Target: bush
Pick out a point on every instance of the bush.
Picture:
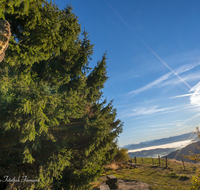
(195, 180)
(173, 175)
(122, 155)
(196, 157)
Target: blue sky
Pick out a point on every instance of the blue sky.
(153, 51)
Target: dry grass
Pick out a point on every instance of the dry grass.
(96, 184)
(112, 166)
(179, 162)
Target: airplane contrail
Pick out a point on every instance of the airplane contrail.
(150, 48)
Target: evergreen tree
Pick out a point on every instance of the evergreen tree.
(52, 126)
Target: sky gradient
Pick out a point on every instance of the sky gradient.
(153, 65)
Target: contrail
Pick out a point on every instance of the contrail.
(166, 64)
(150, 48)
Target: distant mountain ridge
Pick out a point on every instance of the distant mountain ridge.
(178, 153)
(186, 136)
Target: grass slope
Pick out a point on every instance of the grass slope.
(158, 177)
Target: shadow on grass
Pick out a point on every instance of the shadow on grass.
(183, 178)
(153, 172)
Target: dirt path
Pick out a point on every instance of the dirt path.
(132, 185)
(129, 185)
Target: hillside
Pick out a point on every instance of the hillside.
(191, 147)
(156, 176)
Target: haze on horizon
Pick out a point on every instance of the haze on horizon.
(178, 145)
(153, 51)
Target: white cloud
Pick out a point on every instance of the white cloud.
(195, 97)
(165, 77)
(143, 112)
(154, 83)
(148, 111)
(166, 124)
(176, 81)
(180, 124)
(186, 67)
(194, 101)
(180, 96)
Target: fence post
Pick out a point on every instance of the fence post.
(166, 161)
(142, 160)
(159, 159)
(152, 161)
(183, 163)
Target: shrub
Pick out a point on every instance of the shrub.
(196, 157)
(195, 180)
(173, 175)
(122, 155)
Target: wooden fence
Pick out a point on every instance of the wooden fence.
(154, 159)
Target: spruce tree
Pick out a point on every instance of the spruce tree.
(52, 126)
